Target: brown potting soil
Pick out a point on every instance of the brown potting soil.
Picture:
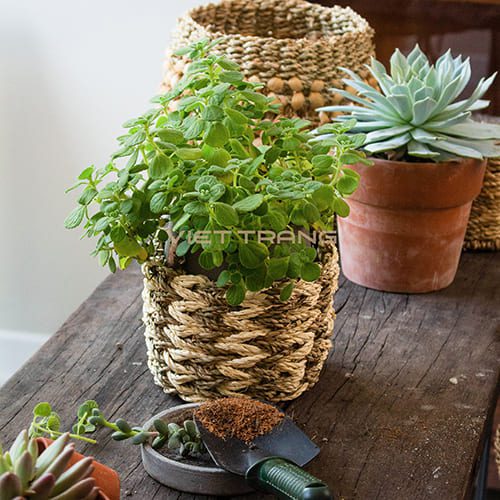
(242, 418)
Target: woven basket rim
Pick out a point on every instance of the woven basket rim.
(360, 23)
(159, 260)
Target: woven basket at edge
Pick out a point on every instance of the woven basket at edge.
(294, 47)
(483, 230)
(201, 348)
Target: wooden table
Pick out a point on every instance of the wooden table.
(401, 410)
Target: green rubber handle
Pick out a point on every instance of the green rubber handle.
(286, 480)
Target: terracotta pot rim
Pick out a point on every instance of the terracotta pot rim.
(428, 164)
(405, 185)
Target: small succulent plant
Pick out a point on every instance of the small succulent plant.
(185, 438)
(416, 113)
(26, 474)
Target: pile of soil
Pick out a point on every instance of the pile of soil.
(241, 418)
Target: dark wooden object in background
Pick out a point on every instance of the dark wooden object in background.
(471, 28)
(400, 411)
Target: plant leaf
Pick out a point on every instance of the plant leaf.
(225, 214)
(250, 203)
(75, 218)
(252, 254)
(235, 294)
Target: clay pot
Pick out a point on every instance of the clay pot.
(106, 478)
(407, 224)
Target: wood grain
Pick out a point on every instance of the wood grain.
(389, 421)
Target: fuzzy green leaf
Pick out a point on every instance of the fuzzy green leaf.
(213, 113)
(223, 278)
(278, 220)
(158, 202)
(75, 218)
(225, 214)
(42, 410)
(217, 135)
(341, 207)
(286, 292)
(160, 166)
(128, 247)
(347, 184)
(189, 153)
(235, 294)
(277, 267)
(310, 271)
(324, 197)
(250, 203)
(231, 76)
(171, 135)
(252, 254)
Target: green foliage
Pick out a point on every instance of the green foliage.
(416, 114)
(26, 474)
(47, 422)
(212, 156)
(185, 439)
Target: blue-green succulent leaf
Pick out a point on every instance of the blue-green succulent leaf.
(421, 150)
(416, 112)
(390, 144)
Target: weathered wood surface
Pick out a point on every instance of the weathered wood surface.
(389, 421)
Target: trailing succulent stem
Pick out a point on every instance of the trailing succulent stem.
(184, 438)
(213, 158)
(416, 113)
(26, 474)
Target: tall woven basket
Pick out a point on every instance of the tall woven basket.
(292, 46)
(201, 348)
(483, 230)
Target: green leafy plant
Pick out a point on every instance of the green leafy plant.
(183, 438)
(416, 113)
(212, 157)
(26, 474)
(47, 422)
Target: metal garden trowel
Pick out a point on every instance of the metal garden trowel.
(271, 463)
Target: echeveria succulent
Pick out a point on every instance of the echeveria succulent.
(416, 112)
(25, 474)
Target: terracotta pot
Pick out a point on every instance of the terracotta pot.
(106, 478)
(407, 224)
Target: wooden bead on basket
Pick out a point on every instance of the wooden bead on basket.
(293, 47)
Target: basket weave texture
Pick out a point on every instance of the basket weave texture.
(483, 230)
(201, 348)
(292, 46)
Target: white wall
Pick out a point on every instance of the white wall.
(70, 74)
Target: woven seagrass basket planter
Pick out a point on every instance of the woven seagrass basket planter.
(293, 47)
(483, 230)
(201, 348)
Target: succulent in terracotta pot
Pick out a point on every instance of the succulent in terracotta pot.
(43, 463)
(26, 473)
(408, 218)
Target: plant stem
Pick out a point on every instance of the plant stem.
(57, 433)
